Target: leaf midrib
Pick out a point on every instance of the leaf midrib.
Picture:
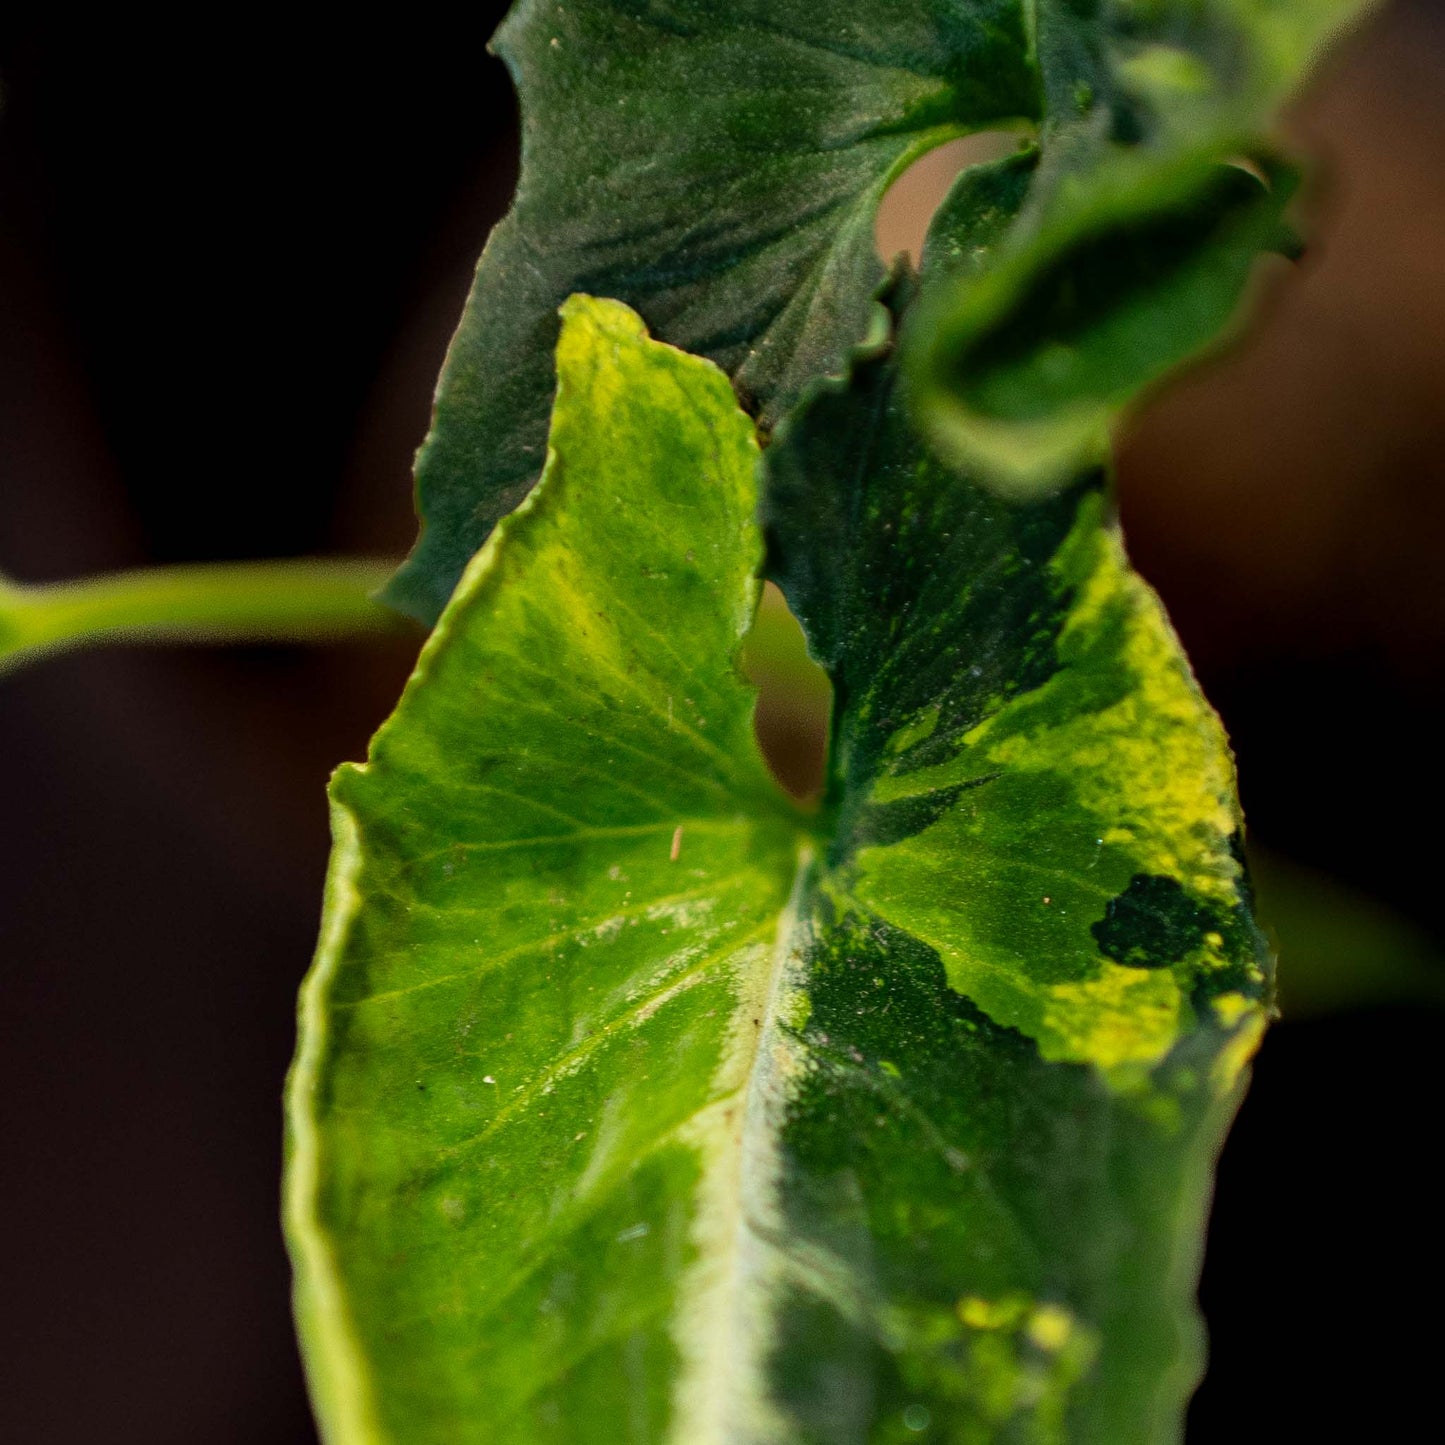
(723, 1359)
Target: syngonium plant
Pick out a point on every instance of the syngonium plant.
(634, 1101)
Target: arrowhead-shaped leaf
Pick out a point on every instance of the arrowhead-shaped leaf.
(632, 1104)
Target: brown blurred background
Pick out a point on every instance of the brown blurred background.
(230, 259)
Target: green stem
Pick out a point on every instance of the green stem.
(290, 601)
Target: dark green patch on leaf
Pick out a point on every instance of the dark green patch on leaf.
(1153, 923)
(1015, 1292)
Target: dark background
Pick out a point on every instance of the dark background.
(230, 259)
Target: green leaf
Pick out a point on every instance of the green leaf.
(632, 1104)
(1013, 708)
(718, 168)
(1156, 189)
(528, 1040)
(1035, 862)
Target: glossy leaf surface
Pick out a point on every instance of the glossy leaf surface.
(632, 1104)
(719, 168)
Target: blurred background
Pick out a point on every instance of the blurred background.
(230, 261)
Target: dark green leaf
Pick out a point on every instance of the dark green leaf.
(1155, 191)
(633, 1105)
(719, 168)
